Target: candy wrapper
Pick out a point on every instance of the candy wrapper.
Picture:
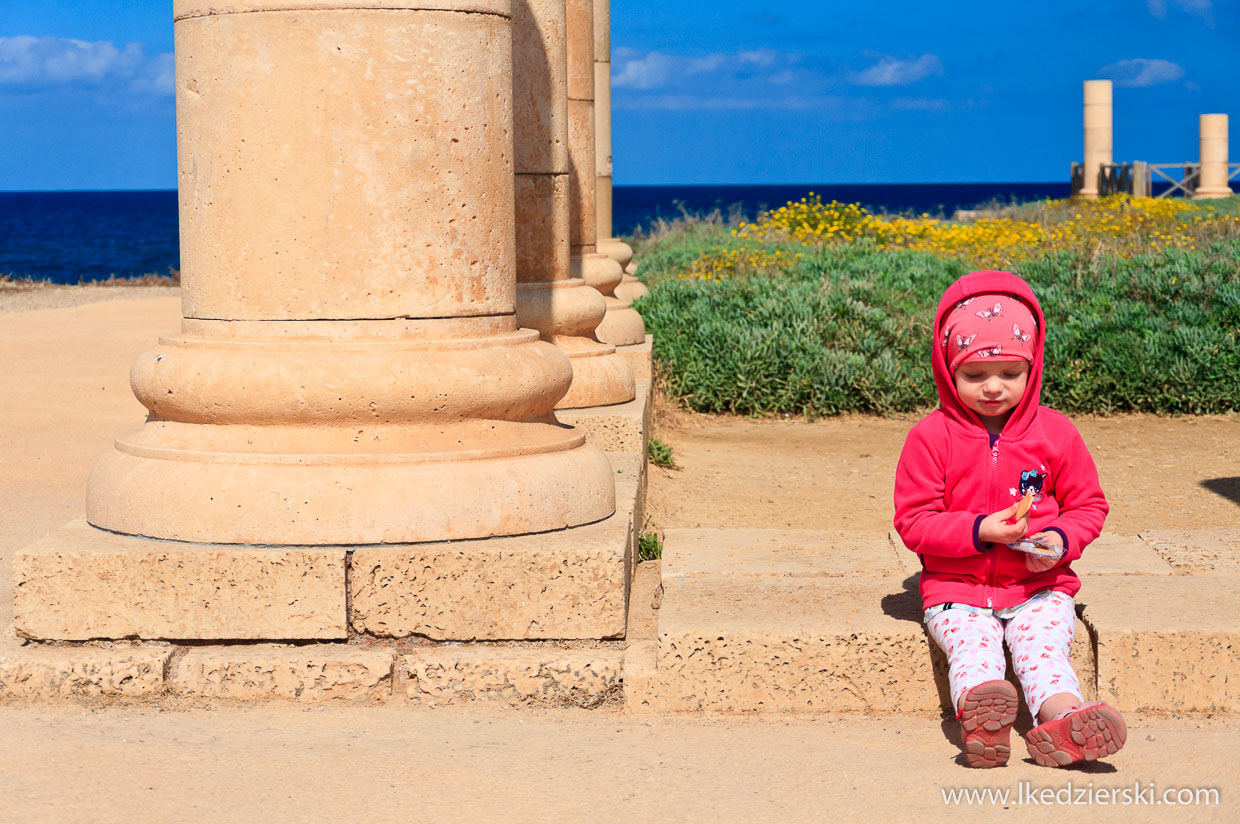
(1036, 546)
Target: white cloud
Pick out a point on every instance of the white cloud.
(705, 65)
(1141, 71)
(1202, 8)
(837, 108)
(920, 104)
(759, 57)
(647, 72)
(643, 71)
(892, 71)
(39, 63)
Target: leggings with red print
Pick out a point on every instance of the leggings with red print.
(1038, 632)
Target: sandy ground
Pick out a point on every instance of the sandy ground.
(838, 474)
(65, 385)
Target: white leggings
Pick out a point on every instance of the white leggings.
(1039, 634)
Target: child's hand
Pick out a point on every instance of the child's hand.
(1039, 563)
(996, 528)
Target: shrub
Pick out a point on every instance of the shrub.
(847, 328)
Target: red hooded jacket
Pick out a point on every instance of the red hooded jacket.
(949, 478)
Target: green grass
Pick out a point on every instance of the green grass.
(661, 454)
(650, 546)
(848, 330)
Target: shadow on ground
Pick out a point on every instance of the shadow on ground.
(1228, 488)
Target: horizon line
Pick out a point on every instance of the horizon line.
(645, 185)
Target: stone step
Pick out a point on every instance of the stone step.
(792, 621)
(765, 643)
(1167, 643)
(781, 553)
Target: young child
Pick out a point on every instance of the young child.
(961, 476)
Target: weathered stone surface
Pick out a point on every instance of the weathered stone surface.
(792, 645)
(81, 583)
(262, 672)
(1120, 555)
(253, 143)
(754, 642)
(622, 427)
(631, 477)
(778, 553)
(453, 675)
(565, 584)
(641, 358)
(1166, 643)
(1108, 555)
(35, 673)
(910, 563)
(1197, 551)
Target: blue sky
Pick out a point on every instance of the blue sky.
(713, 92)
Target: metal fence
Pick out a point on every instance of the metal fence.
(1137, 178)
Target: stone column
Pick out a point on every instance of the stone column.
(630, 288)
(1097, 134)
(563, 309)
(1212, 181)
(622, 325)
(349, 369)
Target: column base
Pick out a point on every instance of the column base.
(348, 485)
(616, 249)
(631, 289)
(622, 325)
(601, 375)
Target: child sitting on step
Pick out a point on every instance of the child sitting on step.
(962, 476)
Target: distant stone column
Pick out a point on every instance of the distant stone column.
(563, 309)
(349, 368)
(1212, 181)
(630, 288)
(1097, 134)
(622, 325)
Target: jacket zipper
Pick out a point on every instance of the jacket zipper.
(994, 505)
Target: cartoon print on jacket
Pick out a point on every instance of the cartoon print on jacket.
(1031, 479)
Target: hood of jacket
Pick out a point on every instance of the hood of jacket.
(959, 416)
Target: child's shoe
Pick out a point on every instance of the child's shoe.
(1083, 733)
(986, 723)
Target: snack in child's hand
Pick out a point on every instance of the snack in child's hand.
(1037, 546)
(1022, 508)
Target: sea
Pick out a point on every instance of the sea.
(76, 236)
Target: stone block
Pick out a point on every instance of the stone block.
(630, 474)
(910, 563)
(623, 427)
(641, 358)
(1197, 551)
(264, 672)
(640, 671)
(1120, 555)
(540, 675)
(82, 583)
(566, 584)
(779, 553)
(38, 673)
(1166, 643)
(764, 643)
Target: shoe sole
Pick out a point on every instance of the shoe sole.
(986, 720)
(1086, 735)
